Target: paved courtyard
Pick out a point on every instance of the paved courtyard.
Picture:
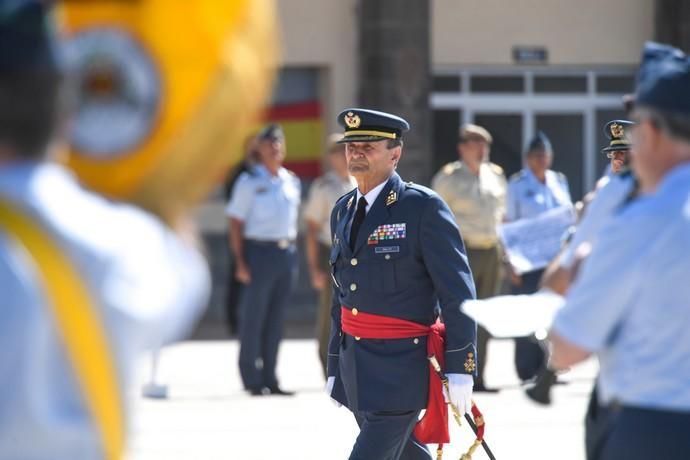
(207, 416)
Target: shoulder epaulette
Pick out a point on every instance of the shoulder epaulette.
(496, 169)
(517, 176)
(419, 188)
(451, 167)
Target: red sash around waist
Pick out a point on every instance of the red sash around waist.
(433, 427)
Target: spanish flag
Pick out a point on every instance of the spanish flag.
(303, 135)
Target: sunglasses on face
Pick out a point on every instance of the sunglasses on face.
(618, 155)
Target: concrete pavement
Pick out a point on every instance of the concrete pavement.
(207, 416)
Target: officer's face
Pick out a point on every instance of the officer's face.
(474, 151)
(271, 152)
(371, 160)
(619, 160)
(539, 160)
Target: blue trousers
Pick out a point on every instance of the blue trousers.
(643, 434)
(261, 310)
(529, 355)
(388, 436)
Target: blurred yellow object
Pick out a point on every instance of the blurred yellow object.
(167, 90)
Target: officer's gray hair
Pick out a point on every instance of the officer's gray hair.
(393, 143)
(674, 125)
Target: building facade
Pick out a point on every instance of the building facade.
(514, 67)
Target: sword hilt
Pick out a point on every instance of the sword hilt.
(478, 428)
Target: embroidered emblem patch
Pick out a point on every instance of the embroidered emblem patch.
(352, 120)
(386, 249)
(617, 131)
(387, 232)
(470, 365)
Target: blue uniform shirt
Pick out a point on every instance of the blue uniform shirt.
(606, 201)
(630, 302)
(147, 285)
(408, 258)
(268, 205)
(528, 197)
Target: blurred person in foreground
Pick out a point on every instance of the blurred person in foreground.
(638, 329)
(397, 254)
(86, 282)
(475, 190)
(532, 191)
(263, 228)
(234, 287)
(324, 192)
(612, 190)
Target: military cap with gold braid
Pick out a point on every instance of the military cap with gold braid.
(363, 125)
(617, 132)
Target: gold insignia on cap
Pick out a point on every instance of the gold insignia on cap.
(470, 365)
(352, 120)
(391, 198)
(617, 131)
(349, 202)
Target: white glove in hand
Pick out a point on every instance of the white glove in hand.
(329, 390)
(460, 386)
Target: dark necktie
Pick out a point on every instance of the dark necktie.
(357, 221)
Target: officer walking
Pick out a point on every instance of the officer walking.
(475, 190)
(263, 228)
(87, 283)
(638, 329)
(396, 254)
(531, 191)
(323, 194)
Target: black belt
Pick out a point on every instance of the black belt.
(280, 244)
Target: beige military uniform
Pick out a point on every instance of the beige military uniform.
(323, 194)
(478, 202)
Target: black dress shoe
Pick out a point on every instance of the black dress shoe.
(258, 391)
(276, 390)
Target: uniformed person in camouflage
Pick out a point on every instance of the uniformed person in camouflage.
(475, 190)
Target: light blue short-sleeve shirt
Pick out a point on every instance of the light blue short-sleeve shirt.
(527, 197)
(631, 302)
(149, 287)
(607, 199)
(267, 205)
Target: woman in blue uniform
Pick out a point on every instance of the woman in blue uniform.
(532, 191)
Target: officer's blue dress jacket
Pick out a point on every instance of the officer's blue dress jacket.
(416, 262)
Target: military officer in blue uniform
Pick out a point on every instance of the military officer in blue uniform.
(263, 222)
(533, 190)
(618, 150)
(536, 188)
(397, 253)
